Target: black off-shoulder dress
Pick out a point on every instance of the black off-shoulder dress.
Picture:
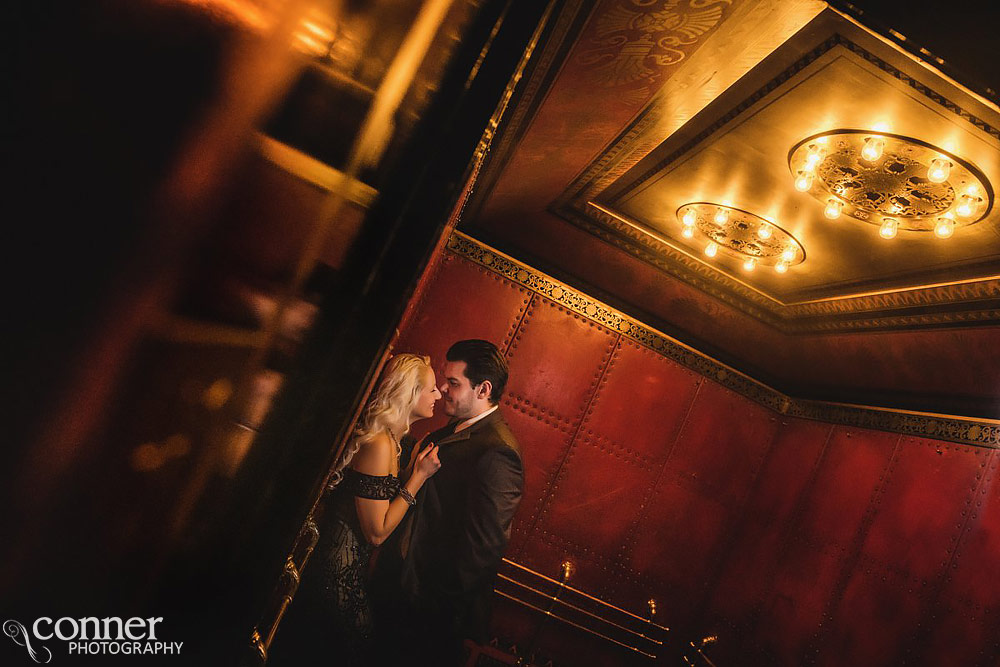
(330, 618)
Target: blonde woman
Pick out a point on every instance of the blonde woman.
(330, 619)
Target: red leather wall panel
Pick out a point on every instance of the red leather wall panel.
(966, 630)
(464, 301)
(679, 533)
(593, 502)
(951, 361)
(915, 528)
(959, 635)
(749, 564)
(852, 470)
(593, 572)
(544, 369)
(973, 574)
(796, 541)
(877, 613)
(793, 609)
(825, 533)
(642, 403)
(722, 445)
(550, 438)
(703, 485)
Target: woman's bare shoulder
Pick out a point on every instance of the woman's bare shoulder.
(374, 457)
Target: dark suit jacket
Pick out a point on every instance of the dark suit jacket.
(456, 535)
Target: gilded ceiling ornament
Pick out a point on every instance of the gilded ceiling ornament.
(896, 182)
(630, 44)
(740, 234)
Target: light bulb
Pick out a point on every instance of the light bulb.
(944, 228)
(873, 148)
(804, 181)
(690, 217)
(749, 264)
(888, 229)
(814, 155)
(964, 208)
(764, 232)
(781, 267)
(832, 209)
(722, 216)
(688, 232)
(711, 249)
(788, 255)
(938, 171)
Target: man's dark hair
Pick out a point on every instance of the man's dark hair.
(483, 361)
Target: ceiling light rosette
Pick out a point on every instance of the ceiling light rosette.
(894, 182)
(753, 240)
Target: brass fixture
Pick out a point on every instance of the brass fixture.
(895, 182)
(752, 239)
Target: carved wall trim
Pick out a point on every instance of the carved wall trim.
(889, 309)
(952, 428)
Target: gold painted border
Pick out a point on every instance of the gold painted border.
(952, 428)
(875, 309)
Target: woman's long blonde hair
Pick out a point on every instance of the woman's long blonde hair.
(389, 407)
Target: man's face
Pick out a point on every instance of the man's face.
(457, 393)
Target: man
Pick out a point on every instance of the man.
(446, 556)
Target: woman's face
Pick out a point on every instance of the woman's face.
(429, 394)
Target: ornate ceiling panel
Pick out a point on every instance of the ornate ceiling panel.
(735, 152)
(635, 110)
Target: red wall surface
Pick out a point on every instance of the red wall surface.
(797, 542)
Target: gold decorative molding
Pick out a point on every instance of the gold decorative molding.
(591, 203)
(891, 308)
(640, 243)
(982, 432)
(964, 430)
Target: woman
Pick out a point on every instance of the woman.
(330, 618)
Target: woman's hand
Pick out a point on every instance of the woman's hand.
(427, 462)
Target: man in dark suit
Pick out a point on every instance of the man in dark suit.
(445, 557)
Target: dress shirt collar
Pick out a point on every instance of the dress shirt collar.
(472, 420)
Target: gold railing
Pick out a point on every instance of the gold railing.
(288, 583)
(640, 636)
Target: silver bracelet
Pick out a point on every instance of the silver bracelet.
(407, 496)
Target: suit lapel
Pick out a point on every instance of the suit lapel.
(442, 433)
(455, 437)
(466, 433)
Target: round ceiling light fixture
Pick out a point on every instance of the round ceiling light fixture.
(894, 182)
(753, 240)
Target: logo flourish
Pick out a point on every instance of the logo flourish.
(16, 631)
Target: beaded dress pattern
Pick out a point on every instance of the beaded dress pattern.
(331, 616)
